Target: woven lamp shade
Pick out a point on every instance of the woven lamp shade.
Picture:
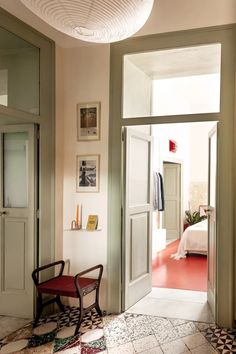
(100, 21)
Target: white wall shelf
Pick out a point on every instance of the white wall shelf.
(83, 229)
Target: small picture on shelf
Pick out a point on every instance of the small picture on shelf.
(92, 223)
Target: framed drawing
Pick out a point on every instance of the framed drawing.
(87, 173)
(88, 121)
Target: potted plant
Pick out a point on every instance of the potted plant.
(192, 218)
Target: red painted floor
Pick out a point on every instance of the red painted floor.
(189, 273)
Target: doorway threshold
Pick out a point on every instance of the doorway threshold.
(175, 303)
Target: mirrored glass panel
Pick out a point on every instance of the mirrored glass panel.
(15, 175)
(172, 82)
(19, 73)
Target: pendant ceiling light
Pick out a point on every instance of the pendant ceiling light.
(100, 21)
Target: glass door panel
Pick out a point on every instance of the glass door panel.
(19, 73)
(15, 176)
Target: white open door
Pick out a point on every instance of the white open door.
(172, 190)
(17, 220)
(211, 212)
(137, 216)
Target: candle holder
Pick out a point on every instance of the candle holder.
(75, 226)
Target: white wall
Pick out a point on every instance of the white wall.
(170, 15)
(198, 164)
(192, 153)
(199, 150)
(86, 79)
(188, 95)
(180, 134)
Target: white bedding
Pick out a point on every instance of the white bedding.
(193, 240)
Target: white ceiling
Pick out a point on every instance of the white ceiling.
(198, 60)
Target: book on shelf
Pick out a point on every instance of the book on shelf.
(92, 223)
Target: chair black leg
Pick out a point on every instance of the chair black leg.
(59, 303)
(81, 315)
(39, 310)
(97, 307)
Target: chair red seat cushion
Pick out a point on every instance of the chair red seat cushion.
(64, 286)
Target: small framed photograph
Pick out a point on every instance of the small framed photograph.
(87, 173)
(88, 121)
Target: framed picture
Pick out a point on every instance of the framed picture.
(88, 121)
(87, 173)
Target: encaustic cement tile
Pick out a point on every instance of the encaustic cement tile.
(93, 342)
(138, 326)
(175, 347)
(186, 329)
(144, 344)
(165, 334)
(124, 333)
(93, 347)
(42, 349)
(194, 340)
(116, 332)
(22, 333)
(66, 343)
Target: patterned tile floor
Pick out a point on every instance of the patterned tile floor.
(122, 334)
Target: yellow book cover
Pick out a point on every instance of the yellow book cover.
(92, 222)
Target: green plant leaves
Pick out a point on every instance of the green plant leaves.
(193, 217)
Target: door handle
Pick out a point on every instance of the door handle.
(2, 213)
(208, 210)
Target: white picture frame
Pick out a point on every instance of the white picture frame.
(88, 121)
(87, 173)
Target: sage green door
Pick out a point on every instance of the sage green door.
(172, 190)
(137, 216)
(212, 187)
(17, 220)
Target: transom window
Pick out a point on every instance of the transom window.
(172, 82)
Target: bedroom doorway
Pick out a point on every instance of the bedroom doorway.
(183, 278)
(201, 55)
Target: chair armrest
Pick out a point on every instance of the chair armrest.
(35, 273)
(99, 266)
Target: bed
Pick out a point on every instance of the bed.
(193, 240)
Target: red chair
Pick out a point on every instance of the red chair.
(76, 286)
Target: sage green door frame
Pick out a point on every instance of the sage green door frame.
(46, 122)
(226, 35)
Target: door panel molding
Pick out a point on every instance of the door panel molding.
(139, 259)
(172, 189)
(15, 236)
